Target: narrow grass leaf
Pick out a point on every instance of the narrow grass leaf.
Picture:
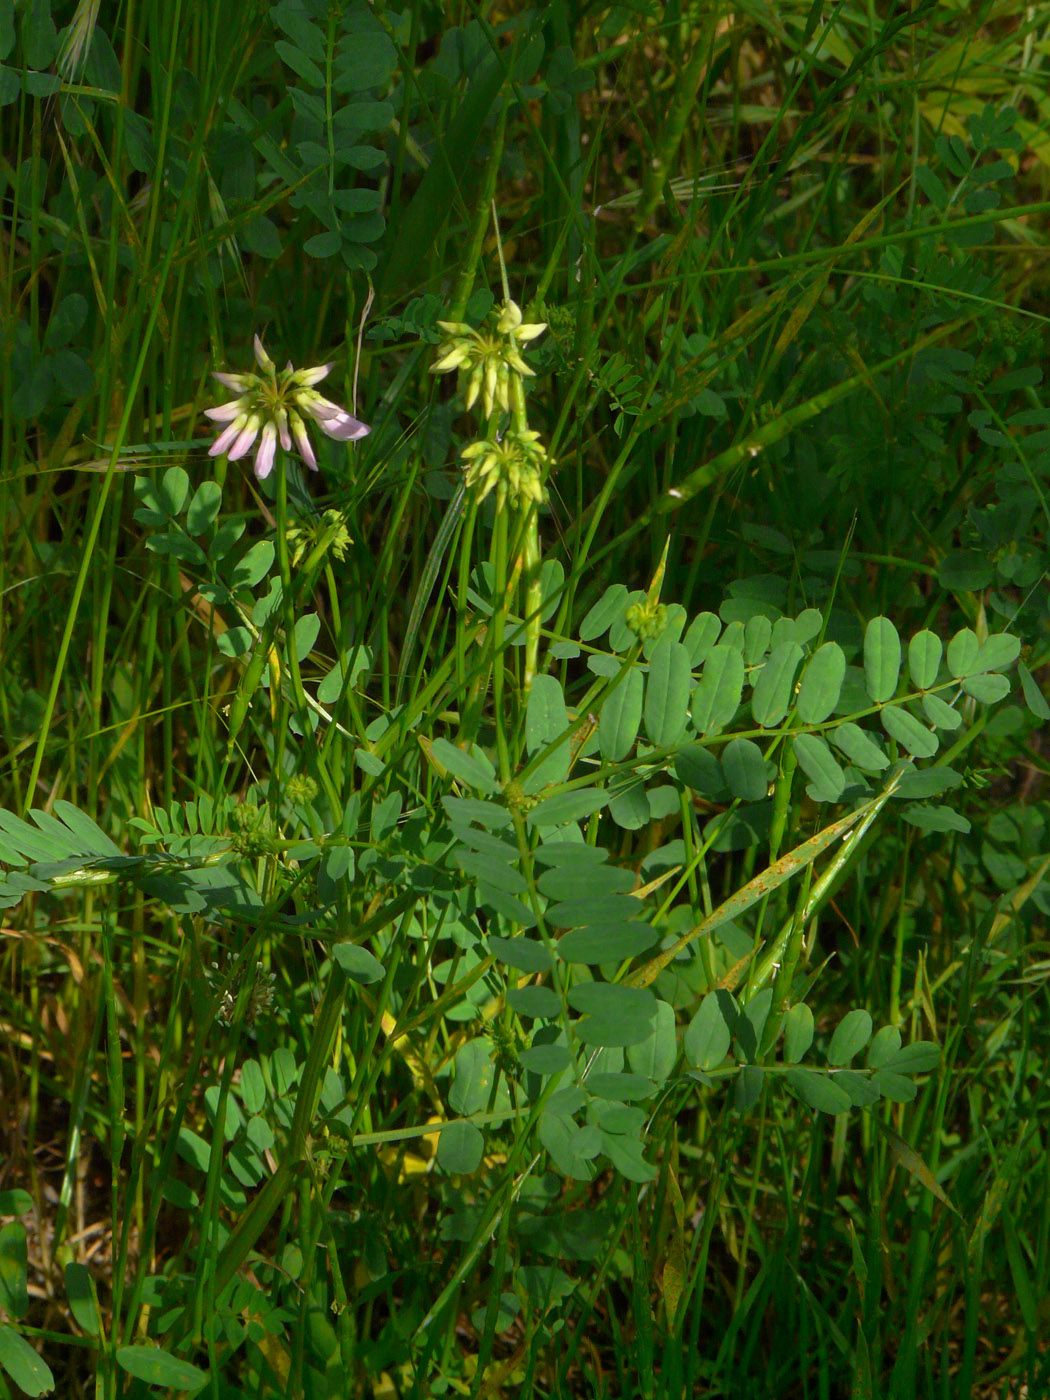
(83, 1304)
(1033, 696)
(914, 1165)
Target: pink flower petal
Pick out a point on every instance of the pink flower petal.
(309, 377)
(261, 358)
(344, 427)
(244, 440)
(227, 436)
(226, 412)
(302, 441)
(239, 383)
(266, 451)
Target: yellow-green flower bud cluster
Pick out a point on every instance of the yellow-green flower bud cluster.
(512, 466)
(647, 619)
(488, 359)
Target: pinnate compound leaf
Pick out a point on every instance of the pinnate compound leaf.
(775, 685)
(898, 1088)
(818, 1091)
(821, 683)
(827, 780)
(798, 1033)
(851, 1035)
(962, 652)
(667, 692)
(924, 658)
(460, 1148)
(940, 714)
(901, 725)
(613, 1015)
(571, 1148)
(699, 769)
(885, 1044)
(746, 770)
(472, 1081)
(253, 566)
(621, 716)
(546, 1059)
(919, 1057)
(703, 633)
(625, 1154)
(987, 689)
(473, 768)
(524, 954)
(654, 1056)
(585, 881)
(608, 609)
(546, 720)
(997, 652)
(860, 748)
(708, 1035)
(860, 1087)
(29, 1371)
(534, 1002)
(158, 1367)
(566, 807)
(358, 963)
(606, 943)
(882, 659)
(717, 698)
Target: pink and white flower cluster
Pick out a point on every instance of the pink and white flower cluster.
(270, 408)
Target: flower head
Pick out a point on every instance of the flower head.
(489, 359)
(513, 466)
(269, 408)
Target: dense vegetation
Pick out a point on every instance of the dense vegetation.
(553, 903)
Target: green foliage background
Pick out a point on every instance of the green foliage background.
(595, 950)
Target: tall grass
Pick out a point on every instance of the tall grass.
(317, 1078)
